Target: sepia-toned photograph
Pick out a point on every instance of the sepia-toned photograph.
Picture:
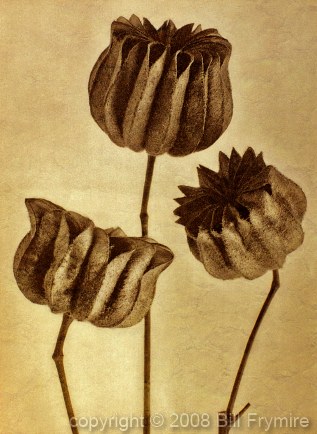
(158, 217)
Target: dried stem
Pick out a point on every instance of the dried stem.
(58, 357)
(147, 321)
(146, 194)
(230, 418)
(147, 374)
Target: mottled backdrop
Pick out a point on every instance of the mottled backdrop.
(51, 148)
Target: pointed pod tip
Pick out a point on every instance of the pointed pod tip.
(250, 151)
(163, 255)
(122, 19)
(183, 188)
(135, 21)
(198, 29)
(203, 170)
(234, 153)
(38, 206)
(32, 201)
(177, 212)
(178, 200)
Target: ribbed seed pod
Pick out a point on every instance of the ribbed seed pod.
(165, 90)
(243, 220)
(97, 275)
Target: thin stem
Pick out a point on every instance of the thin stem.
(146, 194)
(241, 412)
(229, 412)
(58, 357)
(147, 374)
(144, 217)
(274, 287)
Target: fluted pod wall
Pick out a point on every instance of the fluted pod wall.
(243, 220)
(163, 91)
(97, 275)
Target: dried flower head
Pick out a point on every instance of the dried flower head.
(97, 275)
(165, 90)
(243, 220)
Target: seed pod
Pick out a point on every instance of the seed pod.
(243, 220)
(165, 90)
(97, 275)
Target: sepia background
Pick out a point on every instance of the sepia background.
(51, 148)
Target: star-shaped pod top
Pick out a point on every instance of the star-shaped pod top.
(165, 90)
(244, 219)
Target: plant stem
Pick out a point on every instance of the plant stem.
(229, 412)
(58, 357)
(144, 217)
(147, 374)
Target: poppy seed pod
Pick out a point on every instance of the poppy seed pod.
(165, 90)
(243, 220)
(97, 275)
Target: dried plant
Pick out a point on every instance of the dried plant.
(244, 219)
(86, 273)
(241, 222)
(165, 90)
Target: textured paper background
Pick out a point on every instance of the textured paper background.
(51, 148)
